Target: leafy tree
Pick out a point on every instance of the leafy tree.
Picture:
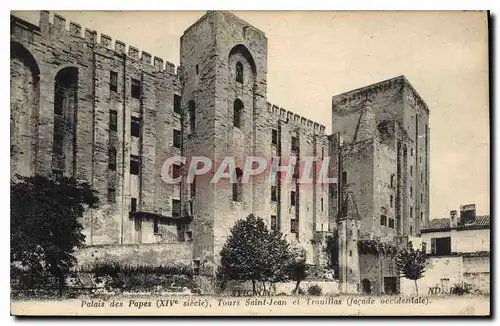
(411, 264)
(332, 253)
(253, 253)
(44, 223)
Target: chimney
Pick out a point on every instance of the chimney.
(453, 219)
(467, 213)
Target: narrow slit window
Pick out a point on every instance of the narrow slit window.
(113, 81)
(239, 72)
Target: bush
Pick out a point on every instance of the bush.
(314, 290)
(113, 269)
(461, 289)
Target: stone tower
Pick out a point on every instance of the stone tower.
(224, 61)
(348, 233)
(382, 155)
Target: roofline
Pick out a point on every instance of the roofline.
(458, 228)
(367, 87)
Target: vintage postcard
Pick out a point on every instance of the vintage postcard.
(249, 163)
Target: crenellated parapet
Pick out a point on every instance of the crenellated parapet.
(59, 24)
(291, 117)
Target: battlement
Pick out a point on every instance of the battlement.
(59, 24)
(290, 117)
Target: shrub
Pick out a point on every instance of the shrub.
(314, 290)
(461, 289)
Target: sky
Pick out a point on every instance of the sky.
(314, 55)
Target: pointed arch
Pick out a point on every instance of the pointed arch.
(24, 109)
(243, 50)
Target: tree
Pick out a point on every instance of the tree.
(44, 224)
(298, 267)
(411, 264)
(332, 253)
(253, 253)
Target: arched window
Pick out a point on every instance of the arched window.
(237, 113)
(237, 185)
(239, 72)
(192, 115)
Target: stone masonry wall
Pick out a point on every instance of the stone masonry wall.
(171, 254)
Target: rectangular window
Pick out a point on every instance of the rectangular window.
(293, 226)
(421, 198)
(112, 159)
(292, 198)
(421, 216)
(424, 247)
(134, 164)
(156, 229)
(274, 223)
(391, 200)
(411, 212)
(275, 137)
(295, 144)
(111, 195)
(176, 208)
(321, 203)
(411, 191)
(133, 204)
(177, 138)
(197, 69)
(113, 81)
(344, 178)
(113, 120)
(391, 223)
(177, 104)
(421, 177)
(274, 196)
(135, 88)
(411, 151)
(411, 170)
(383, 220)
(441, 246)
(58, 144)
(392, 180)
(135, 126)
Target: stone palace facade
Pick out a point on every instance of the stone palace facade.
(88, 106)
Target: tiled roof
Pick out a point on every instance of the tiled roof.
(481, 221)
(438, 223)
